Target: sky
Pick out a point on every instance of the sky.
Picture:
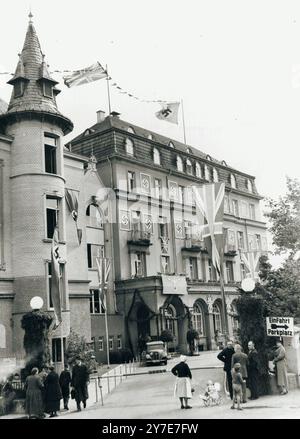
(235, 64)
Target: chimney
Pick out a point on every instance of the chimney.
(100, 116)
(115, 114)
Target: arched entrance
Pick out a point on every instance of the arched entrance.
(143, 321)
(200, 324)
(174, 319)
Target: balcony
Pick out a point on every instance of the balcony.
(139, 236)
(230, 250)
(193, 245)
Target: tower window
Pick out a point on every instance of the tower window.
(50, 145)
(47, 90)
(129, 147)
(94, 251)
(52, 211)
(18, 89)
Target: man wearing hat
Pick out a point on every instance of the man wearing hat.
(183, 388)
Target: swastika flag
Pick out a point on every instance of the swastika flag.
(169, 112)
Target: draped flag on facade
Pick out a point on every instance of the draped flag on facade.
(103, 267)
(210, 202)
(251, 262)
(72, 202)
(169, 112)
(84, 76)
(55, 279)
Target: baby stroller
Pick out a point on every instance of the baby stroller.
(212, 396)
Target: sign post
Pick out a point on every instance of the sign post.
(280, 326)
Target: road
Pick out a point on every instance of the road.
(151, 396)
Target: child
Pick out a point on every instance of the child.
(211, 394)
(237, 384)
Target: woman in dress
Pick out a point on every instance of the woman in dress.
(53, 393)
(281, 368)
(34, 405)
(183, 388)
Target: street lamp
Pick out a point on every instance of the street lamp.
(36, 303)
(248, 285)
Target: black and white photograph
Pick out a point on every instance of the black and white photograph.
(149, 213)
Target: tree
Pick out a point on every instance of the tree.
(284, 217)
(252, 309)
(77, 347)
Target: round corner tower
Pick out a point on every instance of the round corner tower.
(37, 183)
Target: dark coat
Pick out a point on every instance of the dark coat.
(80, 378)
(182, 370)
(242, 358)
(65, 381)
(225, 356)
(34, 405)
(53, 393)
(253, 362)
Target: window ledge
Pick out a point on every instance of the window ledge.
(50, 240)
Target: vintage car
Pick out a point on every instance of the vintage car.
(155, 353)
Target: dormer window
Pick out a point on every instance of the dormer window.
(156, 156)
(198, 170)
(208, 157)
(130, 130)
(206, 173)
(189, 151)
(150, 137)
(47, 89)
(215, 176)
(224, 163)
(129, 146)
(171, 145)
(189, 168)
(179, 163)
(249, 185)
(233, 181)
(18, 89)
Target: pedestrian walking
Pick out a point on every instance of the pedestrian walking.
(43, 375)
(80, 379)
(65, 381)
(53, 393)
(240, 357)
(226, 356)
(281, 368)
(253, 370)
(34, 405)
(183, 388)
(237, 385)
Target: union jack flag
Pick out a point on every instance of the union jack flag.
(251, 262)
(84, 76)
(103, 267)
(209, 201)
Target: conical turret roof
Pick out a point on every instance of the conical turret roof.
(32, 71)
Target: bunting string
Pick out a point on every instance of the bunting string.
(113, 84)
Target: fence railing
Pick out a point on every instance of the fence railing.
(104, 384)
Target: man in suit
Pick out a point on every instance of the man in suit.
(80, 379)
(242, 358)
(253, 370)
(225, 356)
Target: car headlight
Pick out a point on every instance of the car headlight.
(148, 356)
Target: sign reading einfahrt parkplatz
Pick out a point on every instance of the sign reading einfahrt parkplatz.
(280, 326)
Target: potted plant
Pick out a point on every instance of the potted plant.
(191, 336)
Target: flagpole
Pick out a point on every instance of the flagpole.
(106, 328)
(108, 90)
(224, 308)
(183, 122)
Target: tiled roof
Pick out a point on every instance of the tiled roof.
(3, 106)
(32, 69)
(115, 122)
